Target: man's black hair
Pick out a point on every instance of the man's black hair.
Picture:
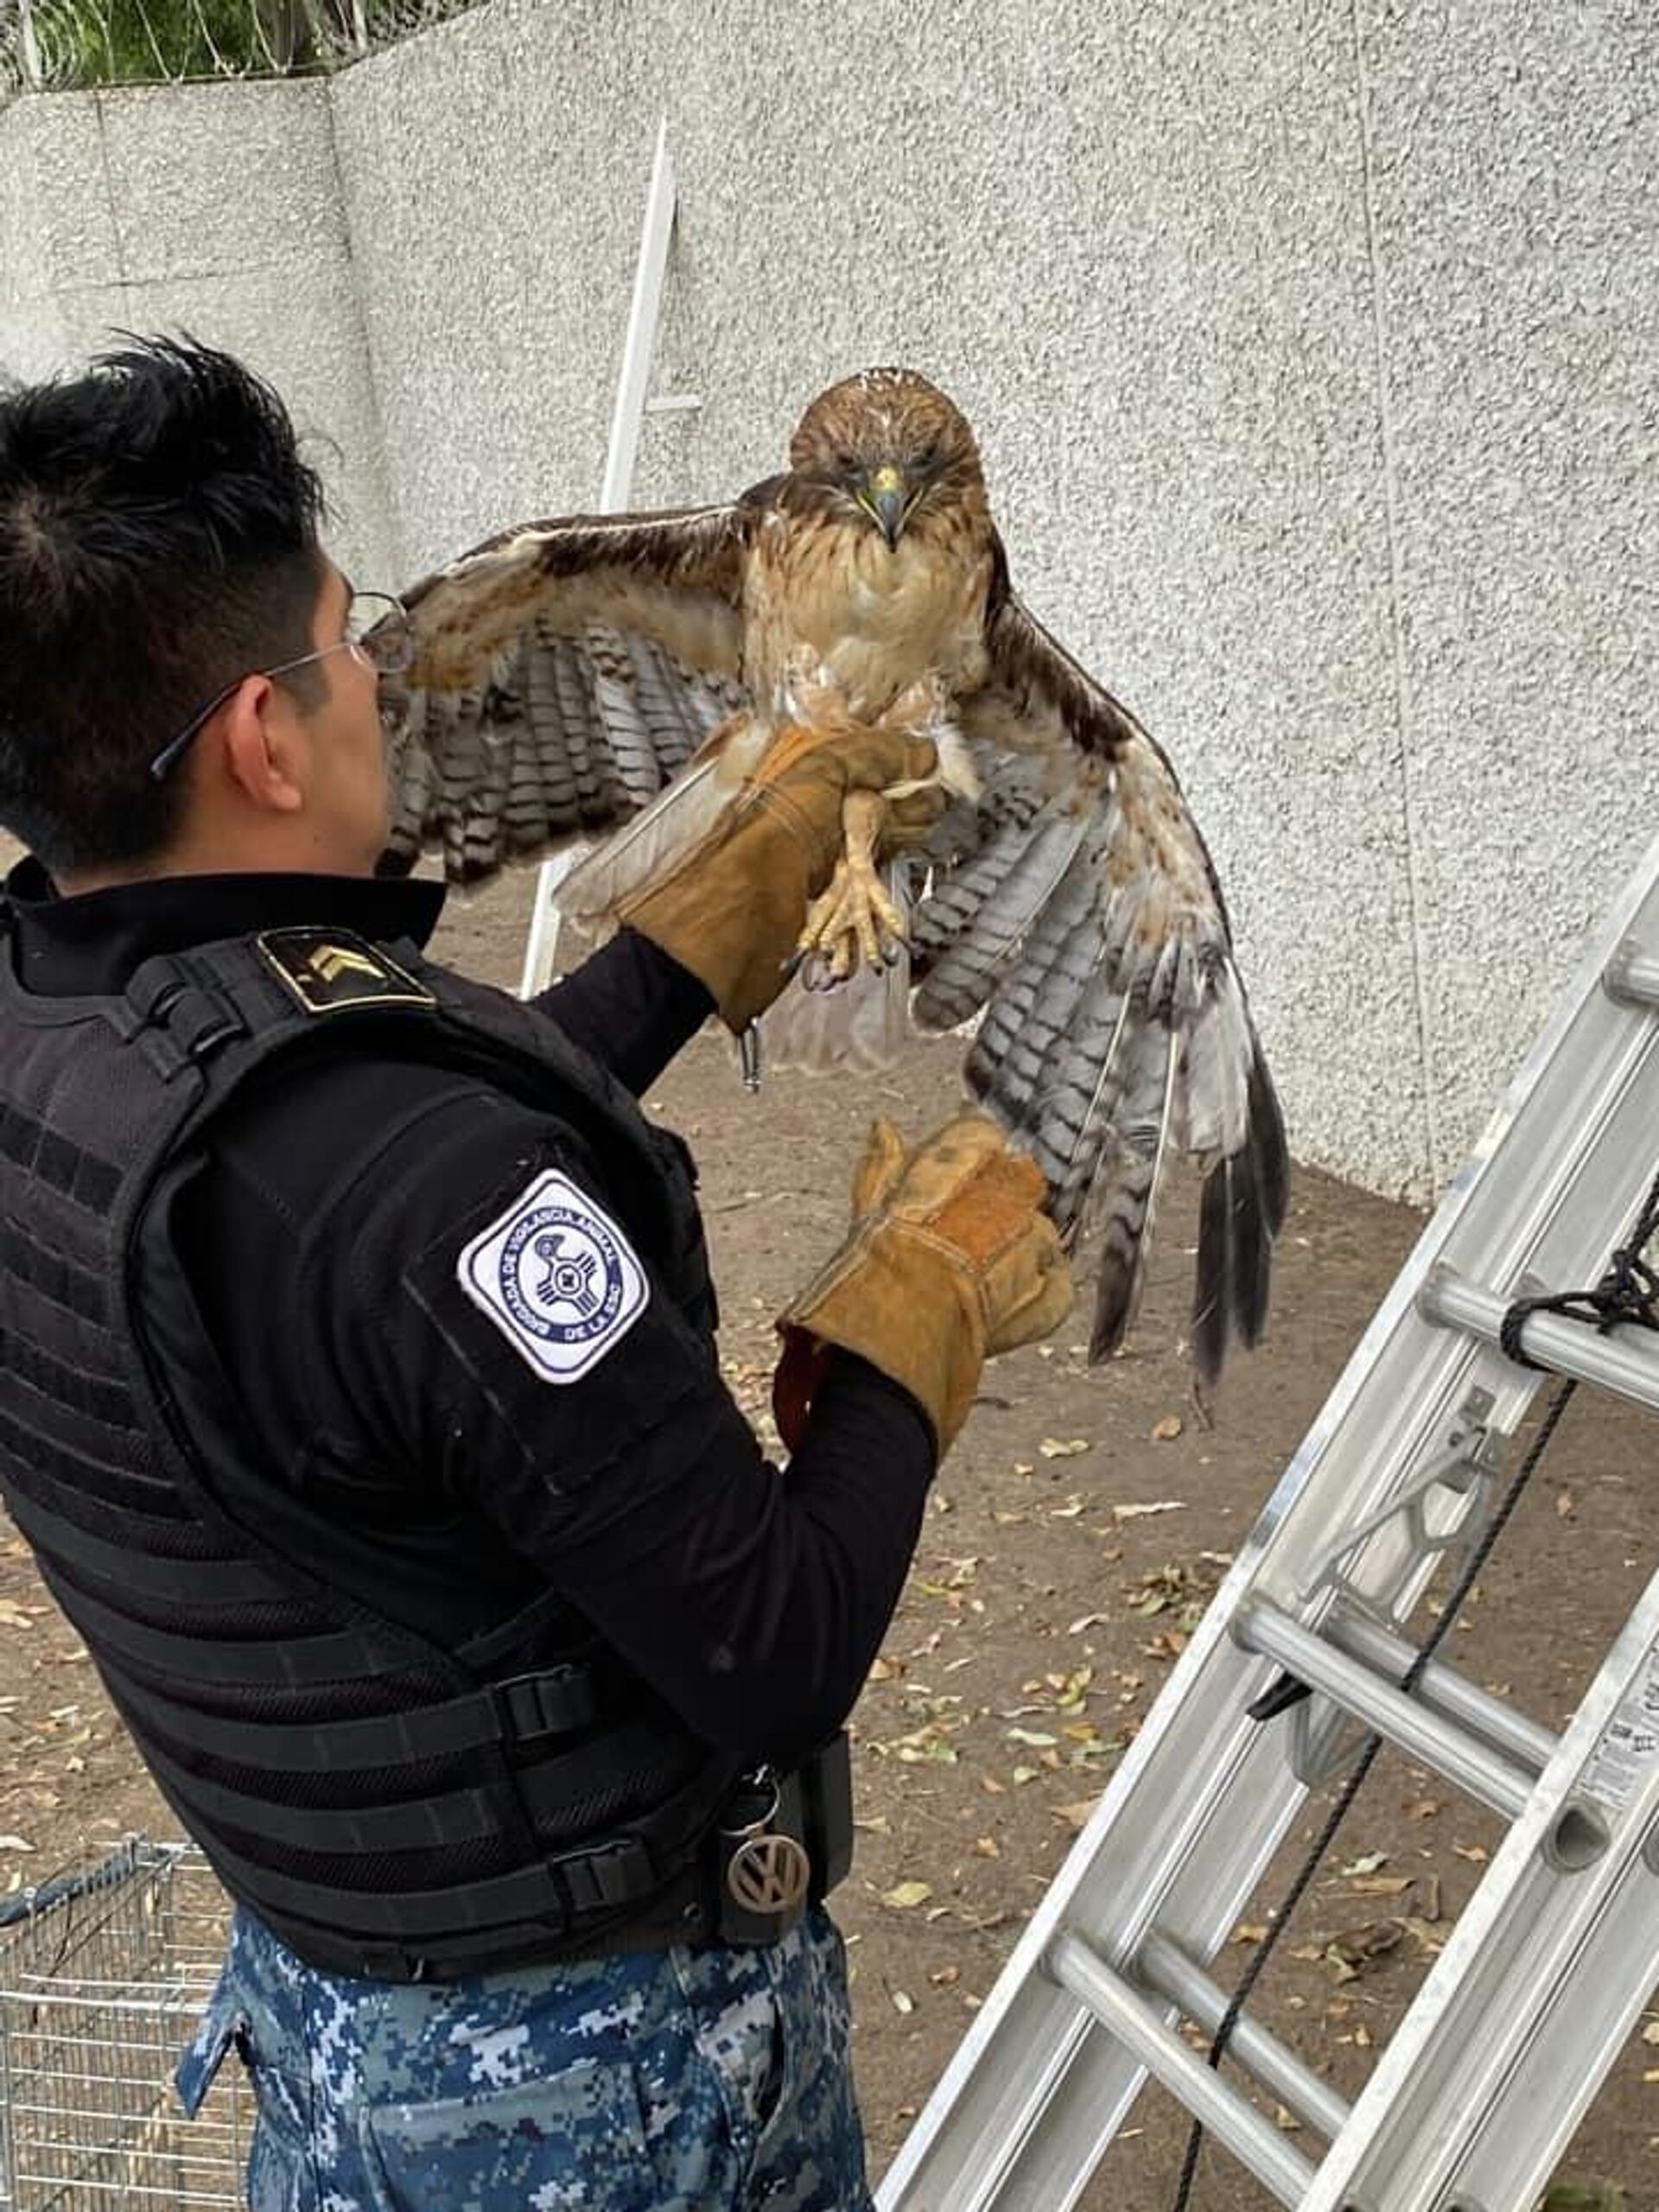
(158, 538)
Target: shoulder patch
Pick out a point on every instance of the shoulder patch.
(557, 1277)
(326, 969)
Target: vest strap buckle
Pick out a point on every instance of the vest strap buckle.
(554, 1701)
(175, 1016)
(200, 1022)
(605, 1878)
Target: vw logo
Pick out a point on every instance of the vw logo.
(769, 1873)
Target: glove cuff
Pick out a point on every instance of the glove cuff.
(732, 911)
(899, 1303)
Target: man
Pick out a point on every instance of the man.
(361, 1405)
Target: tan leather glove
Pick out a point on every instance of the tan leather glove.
(949, 1262)
(731, 909)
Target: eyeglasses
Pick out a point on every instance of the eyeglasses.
(377, 633)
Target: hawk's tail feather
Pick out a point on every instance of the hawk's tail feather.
(1272, 1148)
(1243, 1210)
(859, 1024)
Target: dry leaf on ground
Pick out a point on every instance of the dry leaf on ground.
(904, 1895)
(1075, 1817)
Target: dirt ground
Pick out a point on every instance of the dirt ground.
(1040, 1621)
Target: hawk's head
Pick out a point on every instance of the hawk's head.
(890, 442)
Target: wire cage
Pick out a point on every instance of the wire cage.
(102, 1972)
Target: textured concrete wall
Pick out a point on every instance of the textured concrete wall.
(1313, 350)
(1512, 182)
(209, 209)
(30, 330)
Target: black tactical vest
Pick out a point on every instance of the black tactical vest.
(388, 1807)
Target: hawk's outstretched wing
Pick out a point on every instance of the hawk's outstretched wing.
(1075, 904)
(563, 672)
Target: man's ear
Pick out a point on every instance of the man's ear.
(260, 748)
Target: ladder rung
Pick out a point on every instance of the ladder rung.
(1509, 1733)
(1230, 2117)
(1633, 975)
(1168, 1972)
(1625, 1361)
(1452, 1750)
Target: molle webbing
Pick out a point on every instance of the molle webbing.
(356, 1785)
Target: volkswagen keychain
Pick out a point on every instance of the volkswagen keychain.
(766, 1872)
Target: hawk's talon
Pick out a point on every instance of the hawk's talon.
(852, 923)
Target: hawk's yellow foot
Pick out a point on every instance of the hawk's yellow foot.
(854, 919)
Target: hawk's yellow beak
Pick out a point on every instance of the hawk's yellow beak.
(886, 499)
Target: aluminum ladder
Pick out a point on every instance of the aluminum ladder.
(1480, 2088)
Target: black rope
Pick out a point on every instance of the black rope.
(1627, 1292)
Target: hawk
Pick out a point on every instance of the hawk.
(576, 675)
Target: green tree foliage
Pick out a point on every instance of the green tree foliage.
(147, 41)
(85, 42)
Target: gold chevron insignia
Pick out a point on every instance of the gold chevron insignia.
(329, 970)
(331, 961)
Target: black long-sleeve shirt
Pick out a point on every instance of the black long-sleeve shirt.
(322, 1239)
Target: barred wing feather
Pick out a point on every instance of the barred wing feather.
(564, 673)
(1075, 909)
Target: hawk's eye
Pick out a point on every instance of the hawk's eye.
(848, 462)
(929, 457)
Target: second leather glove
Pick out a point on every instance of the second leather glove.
(950, 1261)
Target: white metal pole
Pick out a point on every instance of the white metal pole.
(542, 947)
(33, 74)
(643, 311)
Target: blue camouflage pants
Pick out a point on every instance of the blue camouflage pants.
(677, 2081)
